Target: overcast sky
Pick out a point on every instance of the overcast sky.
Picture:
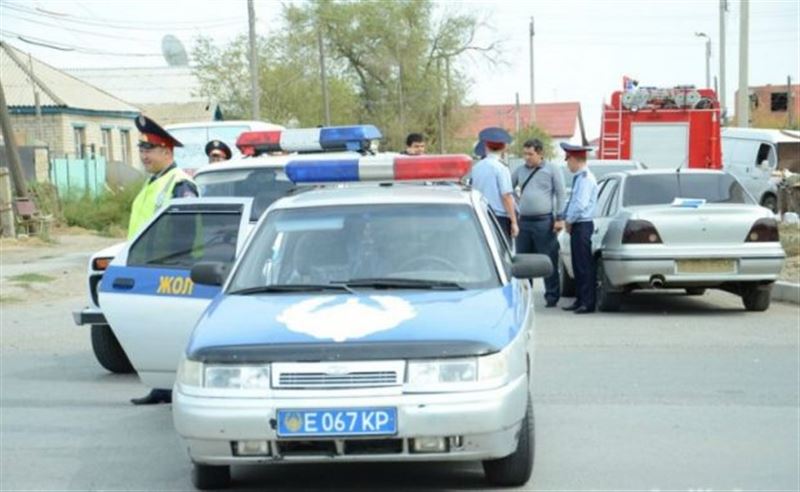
(581, 48)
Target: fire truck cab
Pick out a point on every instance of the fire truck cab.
(662, 128)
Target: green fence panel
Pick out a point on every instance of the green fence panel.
(79, 176)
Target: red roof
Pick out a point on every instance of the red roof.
(560, 120)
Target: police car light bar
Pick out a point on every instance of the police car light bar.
(380, 168)
(327, 139)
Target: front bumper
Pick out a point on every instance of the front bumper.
(638, 265)
(89, 316)
(477, 425)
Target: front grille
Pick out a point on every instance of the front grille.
(323, 380)
(337, 375)
(307, 448)
(373, 446)
(347, 447)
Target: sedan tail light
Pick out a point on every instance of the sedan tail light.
(640, 232)
(764, 230)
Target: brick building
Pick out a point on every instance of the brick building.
(772, 105)
(77, 119)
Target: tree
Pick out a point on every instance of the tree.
(397, 65)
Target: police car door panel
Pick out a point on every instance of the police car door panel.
(146, 293)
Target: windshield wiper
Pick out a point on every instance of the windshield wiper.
(402, 283)
(280, 288)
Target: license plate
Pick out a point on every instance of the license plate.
(337, 422)
(706, 266)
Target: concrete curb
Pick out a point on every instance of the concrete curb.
(786, 292)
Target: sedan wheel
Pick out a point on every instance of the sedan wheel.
(608, 299)
(205, 477)
(108, 352)
(515, 469)
(756, 297)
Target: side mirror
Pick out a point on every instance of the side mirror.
(209, 273)
(530, 266)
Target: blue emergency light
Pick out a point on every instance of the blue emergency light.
(387, 167)
(326, 139)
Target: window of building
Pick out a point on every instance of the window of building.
(79, 138)
(105, 150)
(125, 145)
(779, 101)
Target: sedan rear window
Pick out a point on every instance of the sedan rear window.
(658, 189)
(264, 186)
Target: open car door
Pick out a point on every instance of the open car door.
(147, 294)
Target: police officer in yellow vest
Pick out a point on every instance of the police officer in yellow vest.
(166, 181)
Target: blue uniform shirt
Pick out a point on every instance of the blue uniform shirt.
(493, 179)
(582, 201)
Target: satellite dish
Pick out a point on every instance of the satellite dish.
(173, 51)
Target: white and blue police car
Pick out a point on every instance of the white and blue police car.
(380, 318)
(127, 324)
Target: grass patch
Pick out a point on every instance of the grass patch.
(9, 299)
(31, 277)
(108, 214)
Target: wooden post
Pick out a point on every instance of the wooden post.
(6, 210)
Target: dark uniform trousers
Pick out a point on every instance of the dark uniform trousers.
(536, 235)
(583, 263)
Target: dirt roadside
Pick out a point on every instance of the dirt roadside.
(33, 270)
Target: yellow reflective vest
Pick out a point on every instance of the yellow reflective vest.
(152, 197)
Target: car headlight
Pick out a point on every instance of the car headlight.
(190, 373)
(463, 374)
(237, 377)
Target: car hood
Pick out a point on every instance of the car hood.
(372, 324)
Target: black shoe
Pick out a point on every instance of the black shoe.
(571, 307)
(155, 397)
(583, 310)
(551, 304)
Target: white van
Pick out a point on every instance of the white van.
(753, 154)
(195, 136)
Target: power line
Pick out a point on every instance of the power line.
(70, 29)
(66, 47)
(116, 24)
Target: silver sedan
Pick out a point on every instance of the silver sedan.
(688, 229)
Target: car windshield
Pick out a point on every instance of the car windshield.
(193, 153)
(390, 246)
(264, 186)
(658, 189)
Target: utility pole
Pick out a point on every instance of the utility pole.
(723, 7)
(516, 114)
(255, 92)
(789, 102)
(12, 155)
(441, 107)
(325, 104)
(743, 99)
(400, 91)
(533, 99)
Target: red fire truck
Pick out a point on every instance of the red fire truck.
(662, 128)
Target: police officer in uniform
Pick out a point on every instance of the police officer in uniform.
(217, 151)
(492, 178)
(540, 186)
(578, 215)
(166, 181)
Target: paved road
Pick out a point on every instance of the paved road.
(675, 393)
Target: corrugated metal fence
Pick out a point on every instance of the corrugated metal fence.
(78, 176)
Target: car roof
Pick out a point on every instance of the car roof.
(650, 172)
(371, 193)
(253, 125)
(615, 162)
(762, 134)
(270, 161)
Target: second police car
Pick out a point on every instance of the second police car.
(258, 176)
(379, 320)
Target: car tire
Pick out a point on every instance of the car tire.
(205, 477)
(608, 300)
(756, 297)
(770, 201)
(515, 469)
(108, 351)
(695, 291)
(567, 283)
